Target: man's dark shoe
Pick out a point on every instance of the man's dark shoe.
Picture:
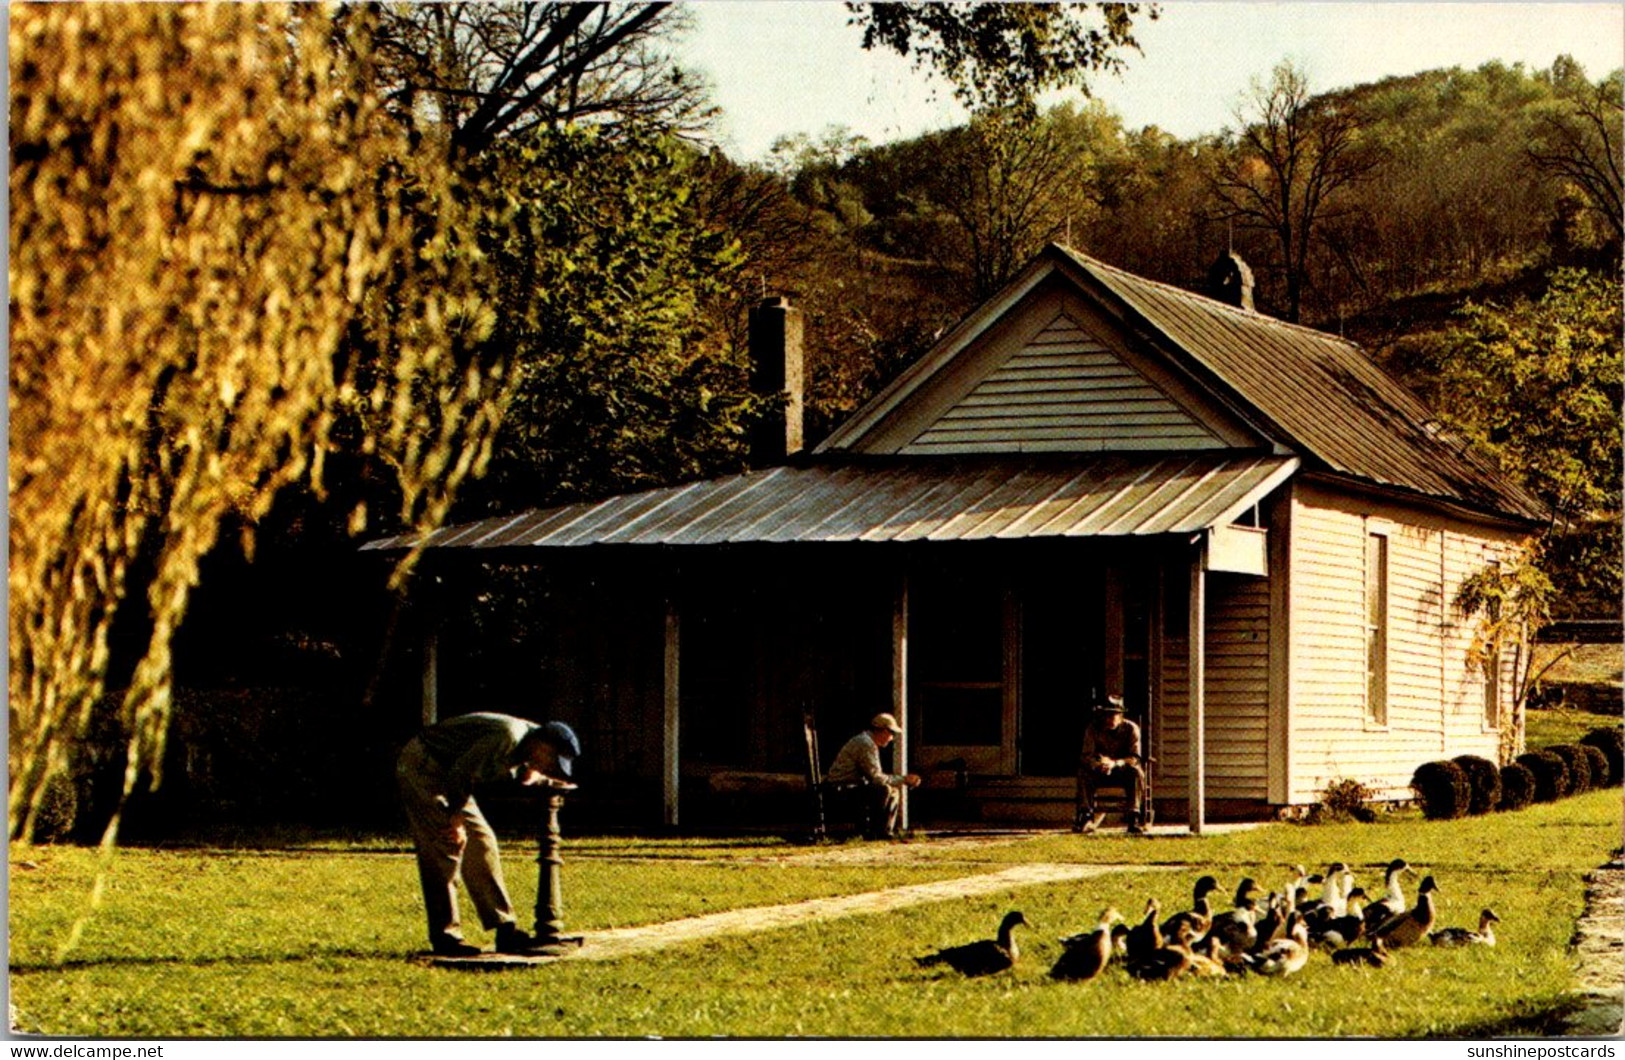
(451, 946)
(513, 939)
(1134, 826)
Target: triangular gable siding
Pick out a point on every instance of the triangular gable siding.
(1064, 391)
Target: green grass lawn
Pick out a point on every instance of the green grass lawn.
(313, 942)
(1550, 726)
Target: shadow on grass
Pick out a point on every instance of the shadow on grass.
(234, 961)
(1547, 1019)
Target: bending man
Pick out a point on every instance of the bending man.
(437, 771)
(856, 774)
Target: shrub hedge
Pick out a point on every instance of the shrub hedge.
(1578, 766)
(1517, 786)
(1551, 774)
(1611, 742)
(1484, 777)
(1442, 789)
(1600, 769)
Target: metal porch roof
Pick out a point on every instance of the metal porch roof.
(902, 499)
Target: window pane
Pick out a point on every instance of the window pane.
(1376, 645)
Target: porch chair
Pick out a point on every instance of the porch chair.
(815, 774)
(1112, 798)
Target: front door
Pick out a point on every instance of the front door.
(963, 663)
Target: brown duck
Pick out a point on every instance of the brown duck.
(983, 957)
(1199, 916)
(1413, 925)
(1085, 956)
(1145, 936)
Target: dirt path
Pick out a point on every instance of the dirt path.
(1599, 939)
(621, 942)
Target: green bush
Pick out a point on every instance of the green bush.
(1551, 774)
(1598, 763)
(1611, 742)
(1578, 766)
(1342, 800)
(1517, 786)
(1484, 777)
(1442, 789)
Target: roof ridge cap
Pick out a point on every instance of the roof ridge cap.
(1249, 314)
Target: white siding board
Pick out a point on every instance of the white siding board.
(1063, 389)
(1434, 704)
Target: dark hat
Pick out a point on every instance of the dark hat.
(1112, 705)
(563, 739)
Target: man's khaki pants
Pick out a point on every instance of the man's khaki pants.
(439, 859)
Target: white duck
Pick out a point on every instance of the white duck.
(1393, 903)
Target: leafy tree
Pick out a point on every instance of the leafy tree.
(1538, 384)
(1509, 602)
(999, 56)
(185, 263)
(1578, 141)
(1294, 155)
(606, 267)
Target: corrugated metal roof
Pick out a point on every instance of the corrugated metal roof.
(1322, 391)
(903, 499)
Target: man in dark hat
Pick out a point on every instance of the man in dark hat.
(1111, 758)
(857, 779)
(437, 771)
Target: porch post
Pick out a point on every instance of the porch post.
(899, 683)
(669, 760)
(1196, 736)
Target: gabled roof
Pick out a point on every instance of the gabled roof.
(929, 498)
(1314, 394)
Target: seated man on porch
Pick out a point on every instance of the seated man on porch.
(855, 777)
(1111, 759)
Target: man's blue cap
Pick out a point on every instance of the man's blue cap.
(563, 739)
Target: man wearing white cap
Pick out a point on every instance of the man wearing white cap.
(856, 773)
(437, 772)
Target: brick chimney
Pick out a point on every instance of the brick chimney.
(776, 369)
(1230, 281)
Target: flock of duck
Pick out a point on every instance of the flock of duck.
(1274, 937)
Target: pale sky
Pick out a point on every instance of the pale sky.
(790, 66)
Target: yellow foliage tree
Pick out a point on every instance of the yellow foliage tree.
(209, 210)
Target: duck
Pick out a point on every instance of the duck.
(1412, 925)
(1393, 903)
(1199, 916)
(1272, 922)
(1455, 936)
(1086, 955)
(984, 956)
(1234, 930)
(1372, 956)
(1340, 931)
(1144, 937)
(1120, 932)
(1332, 895)
(1168, 961)
(1285, 955)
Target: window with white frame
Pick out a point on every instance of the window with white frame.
(1376, 628)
